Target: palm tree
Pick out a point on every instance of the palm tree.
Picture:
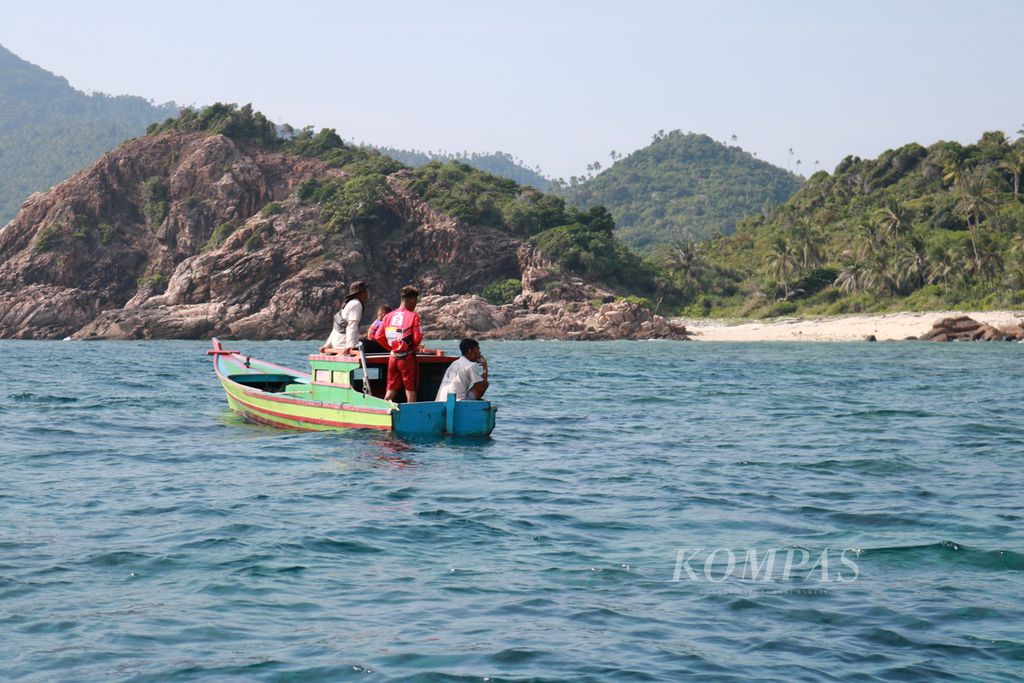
(1016, 254)
(894, 222)
(808, 245)
(971, 201)
(782, 263)
(877, 275)
(685, 258)
(1015, 165)
(990, 262)
(870, 241)
(910, 270)
(851, 277)
(946, 265)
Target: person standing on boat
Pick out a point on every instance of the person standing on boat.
(345, 334)
(400, 333)
(466, 377)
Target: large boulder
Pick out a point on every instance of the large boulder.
(964, 328)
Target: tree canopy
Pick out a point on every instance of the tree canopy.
(916, 228)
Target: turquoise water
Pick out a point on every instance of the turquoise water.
(146, 534)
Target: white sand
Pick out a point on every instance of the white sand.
(884, 327)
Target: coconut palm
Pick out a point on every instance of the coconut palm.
(1014, 163)
(870, 241)
(894, 221)
(1016, 258)
(782, 263)
(990, 258)
(851, 277)
(974, 188)
(910, 269)
(946, 266)
(684, 258)
(808, 244)
(877, 275)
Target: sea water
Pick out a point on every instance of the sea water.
(617, 526)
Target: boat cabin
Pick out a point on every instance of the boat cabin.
(345, 372)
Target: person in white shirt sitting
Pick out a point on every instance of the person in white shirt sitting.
(466, 377)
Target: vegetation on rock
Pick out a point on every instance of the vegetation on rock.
(501, 164)
(502, 292)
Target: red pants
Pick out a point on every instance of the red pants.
(403, 373)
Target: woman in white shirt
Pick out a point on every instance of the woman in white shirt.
(345, 333)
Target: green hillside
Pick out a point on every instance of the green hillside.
(917, 228)
(499, 163)
(681, 186)
(49, 130)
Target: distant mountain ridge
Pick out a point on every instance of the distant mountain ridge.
(500, 164)
(682, 186)
(49, 130)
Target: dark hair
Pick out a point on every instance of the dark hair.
(383, 309)
(409, 291)
(467, 345)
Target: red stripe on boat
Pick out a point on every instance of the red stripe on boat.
(256, 393)
(309, 420)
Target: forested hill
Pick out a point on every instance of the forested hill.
(49, 130)
(681, 186)
(915, 229)
(500, 164)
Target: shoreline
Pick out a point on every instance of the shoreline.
(838, 328)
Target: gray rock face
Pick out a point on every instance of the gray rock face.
(165, 238)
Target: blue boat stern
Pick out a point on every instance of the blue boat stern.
(418, 418)
(469, 418)
(451, 417)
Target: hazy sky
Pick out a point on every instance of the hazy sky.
(560, 84)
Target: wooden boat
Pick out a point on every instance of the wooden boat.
(345, 392)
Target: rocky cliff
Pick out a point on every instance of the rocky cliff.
(191, 234)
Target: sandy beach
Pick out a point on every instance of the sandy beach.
(884, 326)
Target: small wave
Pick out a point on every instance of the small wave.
(887, 412)
(29, 397)
(880, 466)
(953, 552)
(333, 546)
(515, 655)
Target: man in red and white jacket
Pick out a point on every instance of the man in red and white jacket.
(400, 333)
